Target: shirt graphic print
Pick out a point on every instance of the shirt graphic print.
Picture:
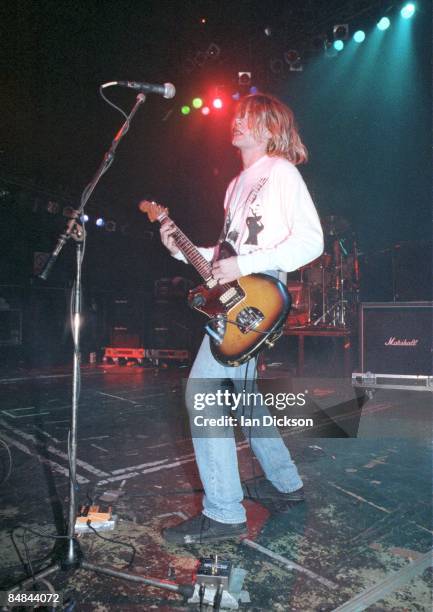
(253, 219)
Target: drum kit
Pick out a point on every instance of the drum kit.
(326, 293)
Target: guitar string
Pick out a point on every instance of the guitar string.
(195, 257)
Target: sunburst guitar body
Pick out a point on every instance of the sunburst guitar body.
(245, 315)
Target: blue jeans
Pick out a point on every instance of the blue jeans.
(216, 456)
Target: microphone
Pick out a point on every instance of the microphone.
(167, 90)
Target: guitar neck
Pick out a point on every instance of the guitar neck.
(189, 250)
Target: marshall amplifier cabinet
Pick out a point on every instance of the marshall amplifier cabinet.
(396, 345)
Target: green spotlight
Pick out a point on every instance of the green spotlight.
(197, 103)
(185, 110)
(383, 24)
(359, 36)
(338, 45)
(408, 10)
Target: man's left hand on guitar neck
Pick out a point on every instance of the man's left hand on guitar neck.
(226, 270)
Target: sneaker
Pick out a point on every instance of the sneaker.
(200, 529)
(263, 491)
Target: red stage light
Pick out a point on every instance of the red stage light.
(205, 110)
(217, 103)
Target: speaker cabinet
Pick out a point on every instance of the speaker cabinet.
(396, 338)
(128, 319)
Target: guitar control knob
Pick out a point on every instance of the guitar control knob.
(198, 300)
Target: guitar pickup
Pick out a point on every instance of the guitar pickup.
(231, 297)
(249, 318)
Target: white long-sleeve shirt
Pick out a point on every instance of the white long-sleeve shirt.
(270, 219)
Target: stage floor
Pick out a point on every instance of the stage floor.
(367, 519)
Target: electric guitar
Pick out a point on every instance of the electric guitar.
(245, 315)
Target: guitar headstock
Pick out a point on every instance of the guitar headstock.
(153, 210)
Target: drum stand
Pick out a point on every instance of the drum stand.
(338, 266)
(338, 309)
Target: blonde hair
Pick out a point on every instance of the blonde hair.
(266, 112)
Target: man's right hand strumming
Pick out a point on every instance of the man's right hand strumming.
(167, 230)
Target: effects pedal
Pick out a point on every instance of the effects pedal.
(213, 572)
(99, 520)
(219, 584)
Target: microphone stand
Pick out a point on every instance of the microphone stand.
(71, 556)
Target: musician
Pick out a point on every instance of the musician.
(272, 223)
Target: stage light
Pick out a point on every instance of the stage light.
(205, 110)
(197, 103)
(217, 103)
(276, 65)
(5, 194)
(100, 222)
(291, 56)
(359, 36)
(244, 78)
(338, 45)
(213, 51)
(341, 31)
(110, 226)
(185, 110)
(383, 24)
(408, 11)
(84, 218)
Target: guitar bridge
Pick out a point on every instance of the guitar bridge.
(249, 318)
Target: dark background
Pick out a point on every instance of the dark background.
(364, 115)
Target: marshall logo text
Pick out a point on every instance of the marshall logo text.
(392, 341)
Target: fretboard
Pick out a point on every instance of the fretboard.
(190, 251)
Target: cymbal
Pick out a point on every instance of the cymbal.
(335, 225)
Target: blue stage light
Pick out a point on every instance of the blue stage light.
(338, 45)
(408, 10)
(359, 36)
(384, 23)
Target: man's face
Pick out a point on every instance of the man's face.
(243, 135)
